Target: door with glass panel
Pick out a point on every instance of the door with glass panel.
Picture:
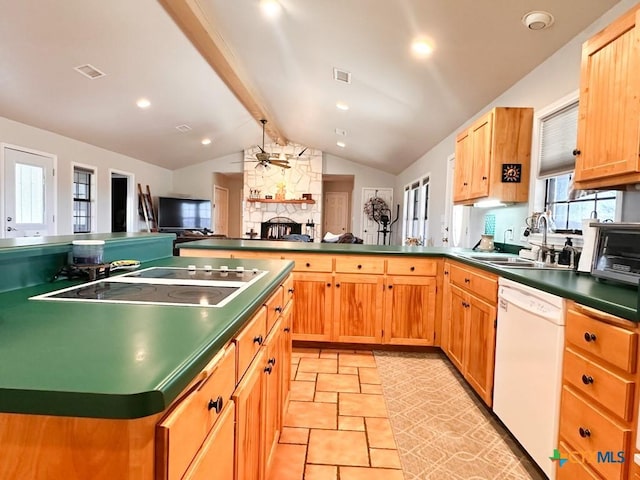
(29, 193)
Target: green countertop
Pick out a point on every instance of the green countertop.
(111, 360)
(616, 299)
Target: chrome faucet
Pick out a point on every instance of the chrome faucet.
(544, 249)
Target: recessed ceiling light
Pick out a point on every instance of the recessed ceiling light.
(143, 103)
(537, 20)
(271, 8)
(341, 144)
(421, 48)
(206, 141)
(342, 106)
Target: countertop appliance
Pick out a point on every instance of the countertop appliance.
(617, 252)
(528, 370)
(202, 287)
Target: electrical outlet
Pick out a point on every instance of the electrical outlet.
(509, 234)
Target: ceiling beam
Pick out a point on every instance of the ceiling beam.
(191, 19)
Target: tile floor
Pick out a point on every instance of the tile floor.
(337, 424)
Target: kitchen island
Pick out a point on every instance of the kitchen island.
(84, 387)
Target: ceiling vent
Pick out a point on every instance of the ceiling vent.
(341, 75)
(183, 128)
(341, 131)
(89, 71)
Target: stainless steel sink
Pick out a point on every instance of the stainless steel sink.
(524, 263)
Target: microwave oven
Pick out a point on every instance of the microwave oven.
(616, 254)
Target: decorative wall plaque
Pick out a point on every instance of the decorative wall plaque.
(511, 172)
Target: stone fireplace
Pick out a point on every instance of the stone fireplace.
(287, 189)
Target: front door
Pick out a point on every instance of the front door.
(220, 210)
(336, 212)
(29, 195)
(370, 234)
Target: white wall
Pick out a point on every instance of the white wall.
(197, 180)
(558, 76)
(363, 177)
(69, 150)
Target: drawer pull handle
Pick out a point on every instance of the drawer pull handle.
(337, 285)
(290, 290)
(446, 272)
(467, 280)
(359, 267)
(328, 284)
(272, 361)
(278, 309)
(215, 404)
(589, 337)
(308, 264)
(413, 269)
(587, 379)
(287, 329)
(268, 369)
(390, 287)
(576, 152)
(584, 432)
(484, 178)
(258, 339)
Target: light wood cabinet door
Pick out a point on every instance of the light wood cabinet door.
(272, 390)
(249, 403)
(480, 347)
(410, 310)
(357, 308)
(216, 460)
(457, 326)
(312, 310)
(481, 145)
(609, 109)
(463, 166)
(287, 316)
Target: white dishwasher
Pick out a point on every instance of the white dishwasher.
(528, 371)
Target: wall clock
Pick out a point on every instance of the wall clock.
(511, 172)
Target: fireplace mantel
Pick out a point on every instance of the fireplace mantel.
(274, 200)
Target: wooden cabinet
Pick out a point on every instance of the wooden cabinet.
(273, 391)
(597, 411)
(609, 111)
(357, 308)
(313, 306)
(493, 157)
(469, 325)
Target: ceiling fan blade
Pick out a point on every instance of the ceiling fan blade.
(304, 150)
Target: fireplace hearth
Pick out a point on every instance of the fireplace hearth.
(278, 228)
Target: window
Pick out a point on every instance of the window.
(558, 136)
(416, 210)
(82, 199)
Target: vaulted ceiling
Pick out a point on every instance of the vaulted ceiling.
(218, 66)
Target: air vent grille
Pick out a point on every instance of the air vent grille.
(341, 131)
(341, 75)
(183, 128)
(89, 71)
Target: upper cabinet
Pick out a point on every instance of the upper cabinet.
(493, 156)
(607, 153)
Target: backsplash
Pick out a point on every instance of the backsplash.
(304, 177)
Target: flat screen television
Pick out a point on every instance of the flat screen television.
(183, 214)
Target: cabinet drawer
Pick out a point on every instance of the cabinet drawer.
(359, 264)
(287, 286)
(589, 430)
(610, 390)
(574, 468)
(180, 435)
(412, 266)
(481, 285)
(249, 340)
(274, 305)
(311, 263)
(612, 344)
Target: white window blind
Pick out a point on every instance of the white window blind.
(559, 133)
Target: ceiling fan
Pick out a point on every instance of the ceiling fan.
(265, 159)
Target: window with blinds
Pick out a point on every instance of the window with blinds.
(416, 209)
(82, 199)
(559, 133)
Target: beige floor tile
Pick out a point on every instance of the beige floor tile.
(351, 423)
(306, 376)
(288, 462)
(355, 473)
(302, 391)
(319, 365)
(367, 388)
(335, 382)
(379, 433)
(356, 360)
(328, 397)
(299, 436)
(298, 352)
(369, 375)
(328, 354)
(347, 370)
(311, 415)
(384, 458)
(294, 370)
(321, 472)
(362, 404)
(338, 447)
